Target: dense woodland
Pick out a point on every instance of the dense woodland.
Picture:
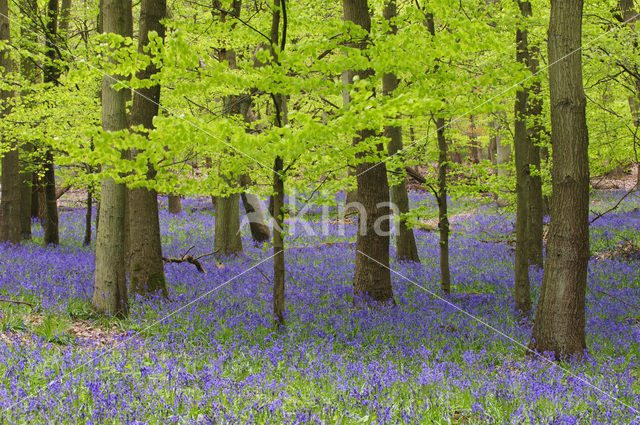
(374, 211)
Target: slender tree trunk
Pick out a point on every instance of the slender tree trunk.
(443, 165)
(87, 220)
(406, 249)
(278, 242)
(372, 275)
(175, 204)
(110, 292)
(522, 292)
(281, 119)
(443, 216)
(560, 320)
(26, 177)
(146, 268)
(11, 224)
(51, 75)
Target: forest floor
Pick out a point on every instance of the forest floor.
(210, 354)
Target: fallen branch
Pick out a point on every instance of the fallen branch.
(4, 300)
(616, 298)
(186, 258)
(615, 206)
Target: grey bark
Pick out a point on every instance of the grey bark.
(372, 278)
(560, 321)
(227, 227)
(10, 205)
(522, 293)
(145, 264)
(175, 204)
(110, 292)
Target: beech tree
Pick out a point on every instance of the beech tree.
(560, 320)
(146, 268)
(110, 291)
(11, 224)
(372, 274)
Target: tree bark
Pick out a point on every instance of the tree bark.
(175, 204)
(110, 293)
(278, 241)
(372, 280)
(560, 320)
(443, 216)
(253, 209)
(145, 265)
(443, 165)
(522, 292)
(51, 75)
(281, 119)
(87, 219)
(406, 249)
(65, 17)
(30, 73)
(11, 224)
(227, 223)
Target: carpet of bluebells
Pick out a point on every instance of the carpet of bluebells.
(211, 354)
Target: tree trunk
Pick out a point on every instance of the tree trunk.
(26, 177)
(406, 249)
(175, 204)
(87, 219)
(278, 242)
(560, 321)
(110, 293)
(372, 274)
(51, 75)
(145, 265)
(281, 119)
(443, 217)
(443, 165)
(253, 209)
(30, 73)
(522, 292)
(65, 17)
(503, 161)
(227, 225)
(11, 224)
